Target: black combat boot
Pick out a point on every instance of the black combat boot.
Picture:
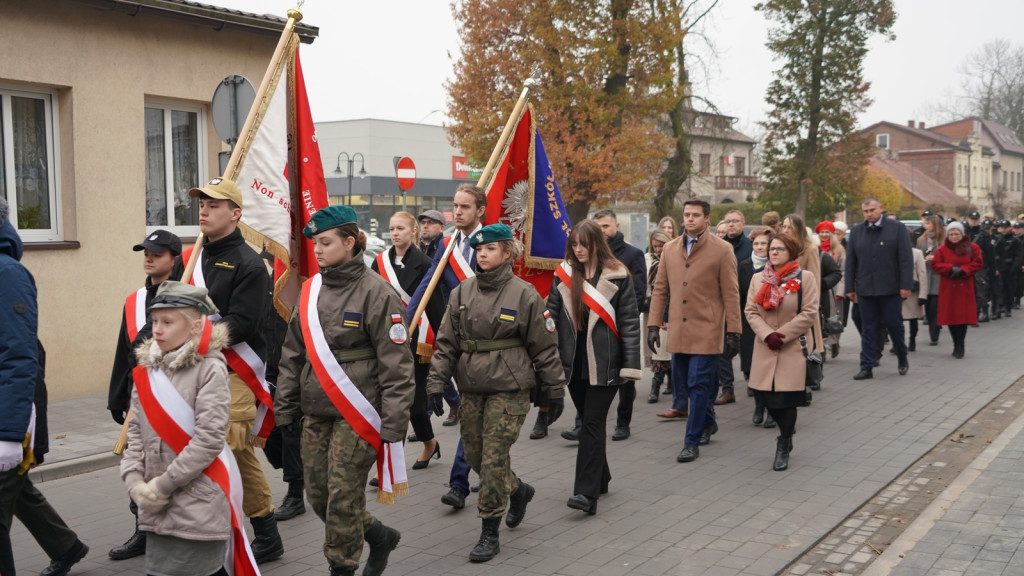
(783, 446)
(134, 546)
(487, 547)
(540, 427)
(62, 565)
(382, 540)
(292, 505)
(267, 545)
(517, 504)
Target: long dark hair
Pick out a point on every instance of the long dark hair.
(588, 234)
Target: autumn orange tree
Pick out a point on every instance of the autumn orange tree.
(882, 186)
(606, 76)
(818, 90)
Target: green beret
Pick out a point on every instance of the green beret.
(327, 218)
(492, 233)
(173, 294)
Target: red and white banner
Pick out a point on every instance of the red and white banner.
(135, 312)
(387, 271)
(347, 399)
(591, 297)
(245, 362)
(175, 422)
(458, 262)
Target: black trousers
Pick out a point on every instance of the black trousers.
(20, 498)
(931, 311)
(1007, 289)
(283, 453)
(627, 394)
(959, 334)
(419, 416)
(876, 311)
(593, 402)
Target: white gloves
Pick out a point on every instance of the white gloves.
(148, 498)
(11, 455)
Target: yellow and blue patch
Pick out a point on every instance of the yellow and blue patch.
(352, 320)
(506, 315)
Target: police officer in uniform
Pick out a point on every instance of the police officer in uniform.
(496, 331)
(1008, 263)
(363, 322)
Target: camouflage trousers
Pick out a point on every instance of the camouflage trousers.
(490, 424)
(336, 462)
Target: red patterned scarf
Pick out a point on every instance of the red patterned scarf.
(777, 284)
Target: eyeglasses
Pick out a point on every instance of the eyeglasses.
(777, 249)
(731, 221)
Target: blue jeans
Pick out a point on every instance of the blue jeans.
(460, 470)
(695, 376)
(873, 310)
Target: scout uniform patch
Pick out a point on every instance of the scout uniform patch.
(549, 322)
(397, 332)
(506, 315)
(352, 320)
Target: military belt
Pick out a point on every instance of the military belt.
(491, 345)
(352, 354)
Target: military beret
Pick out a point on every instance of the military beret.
(492, 233)
(173, 294)
(327, 218)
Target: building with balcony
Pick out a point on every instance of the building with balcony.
(722, 159)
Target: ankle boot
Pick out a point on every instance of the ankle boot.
(540, 427)
(769, 421)
(517, 502)
(267, 544)
(382, 540)
(652, 398)
(783, 445)
(134, 546)
(983, 314)
(758, 418)
(912, 345)
(487, 547)
(292, 505)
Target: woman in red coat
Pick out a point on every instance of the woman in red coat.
(956, 262)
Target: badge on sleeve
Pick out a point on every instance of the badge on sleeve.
(397, 332)
(549, 322)
(506, 315)
(352, 320)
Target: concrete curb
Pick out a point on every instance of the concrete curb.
(72, 467)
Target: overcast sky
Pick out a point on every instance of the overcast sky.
(389, 59)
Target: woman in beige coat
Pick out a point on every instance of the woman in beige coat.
(809, 258)
(659, 361)
(782, 305)
(913, 306)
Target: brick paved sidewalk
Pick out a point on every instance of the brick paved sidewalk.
(726, 513)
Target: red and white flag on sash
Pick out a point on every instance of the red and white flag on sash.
(174, 421)
(135, 313)
(348, 400)
(458, 262)
(591, 297)
(426, 333)
(247, 364)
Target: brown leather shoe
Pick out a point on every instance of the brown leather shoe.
(727, 398)
(675, 414)
(453, 418)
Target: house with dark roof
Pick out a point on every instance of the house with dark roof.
(722, 159)
(919, 189)
(962, 165)
(1008, 154)
(106, 124)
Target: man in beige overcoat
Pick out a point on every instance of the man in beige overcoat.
(697, 280)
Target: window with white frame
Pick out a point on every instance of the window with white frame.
(29, 175)
(175, 163)
(882, 141)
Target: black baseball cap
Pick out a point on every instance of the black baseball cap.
(974, 215)
(986, 223)
(160, 241)
(927, 213)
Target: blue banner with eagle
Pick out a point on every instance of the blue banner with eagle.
(522, 193)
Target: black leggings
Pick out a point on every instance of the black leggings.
(931, 311)
(786, 419)
(419, 417)
(959, 334)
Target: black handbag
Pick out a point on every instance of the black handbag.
(815, 370)
(831, 325)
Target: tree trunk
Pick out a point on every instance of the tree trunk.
(577, 210)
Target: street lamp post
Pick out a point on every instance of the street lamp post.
(350, 160)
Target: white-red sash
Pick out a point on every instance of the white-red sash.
(458, 262)
(244, 361)
(175, 422)
(426, 333)
(347, 399)
(591, 297)
(135, 312)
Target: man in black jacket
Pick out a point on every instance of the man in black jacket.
(879, 273)
(239, 285)
(733, 222)
(1008, 255)
(160, 249)
(979, 232)
(431, 231)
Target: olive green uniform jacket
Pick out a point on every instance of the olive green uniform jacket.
(356, 308)
(496, 305)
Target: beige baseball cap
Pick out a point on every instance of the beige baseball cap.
(219, 189)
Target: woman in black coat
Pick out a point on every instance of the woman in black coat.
(409, 265)
(759, 238)
(599, 351)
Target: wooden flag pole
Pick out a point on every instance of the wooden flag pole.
(517, 111)
(231, 170)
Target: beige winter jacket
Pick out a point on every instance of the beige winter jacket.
(198, 508)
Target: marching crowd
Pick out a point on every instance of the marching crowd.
(205, 371)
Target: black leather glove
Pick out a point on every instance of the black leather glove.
(956, 272)
(732, 345)
(653, 337)
(435, 402)
(555, 408)
(922, 301)
(118, 416)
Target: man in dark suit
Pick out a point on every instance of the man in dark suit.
(879, 272)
